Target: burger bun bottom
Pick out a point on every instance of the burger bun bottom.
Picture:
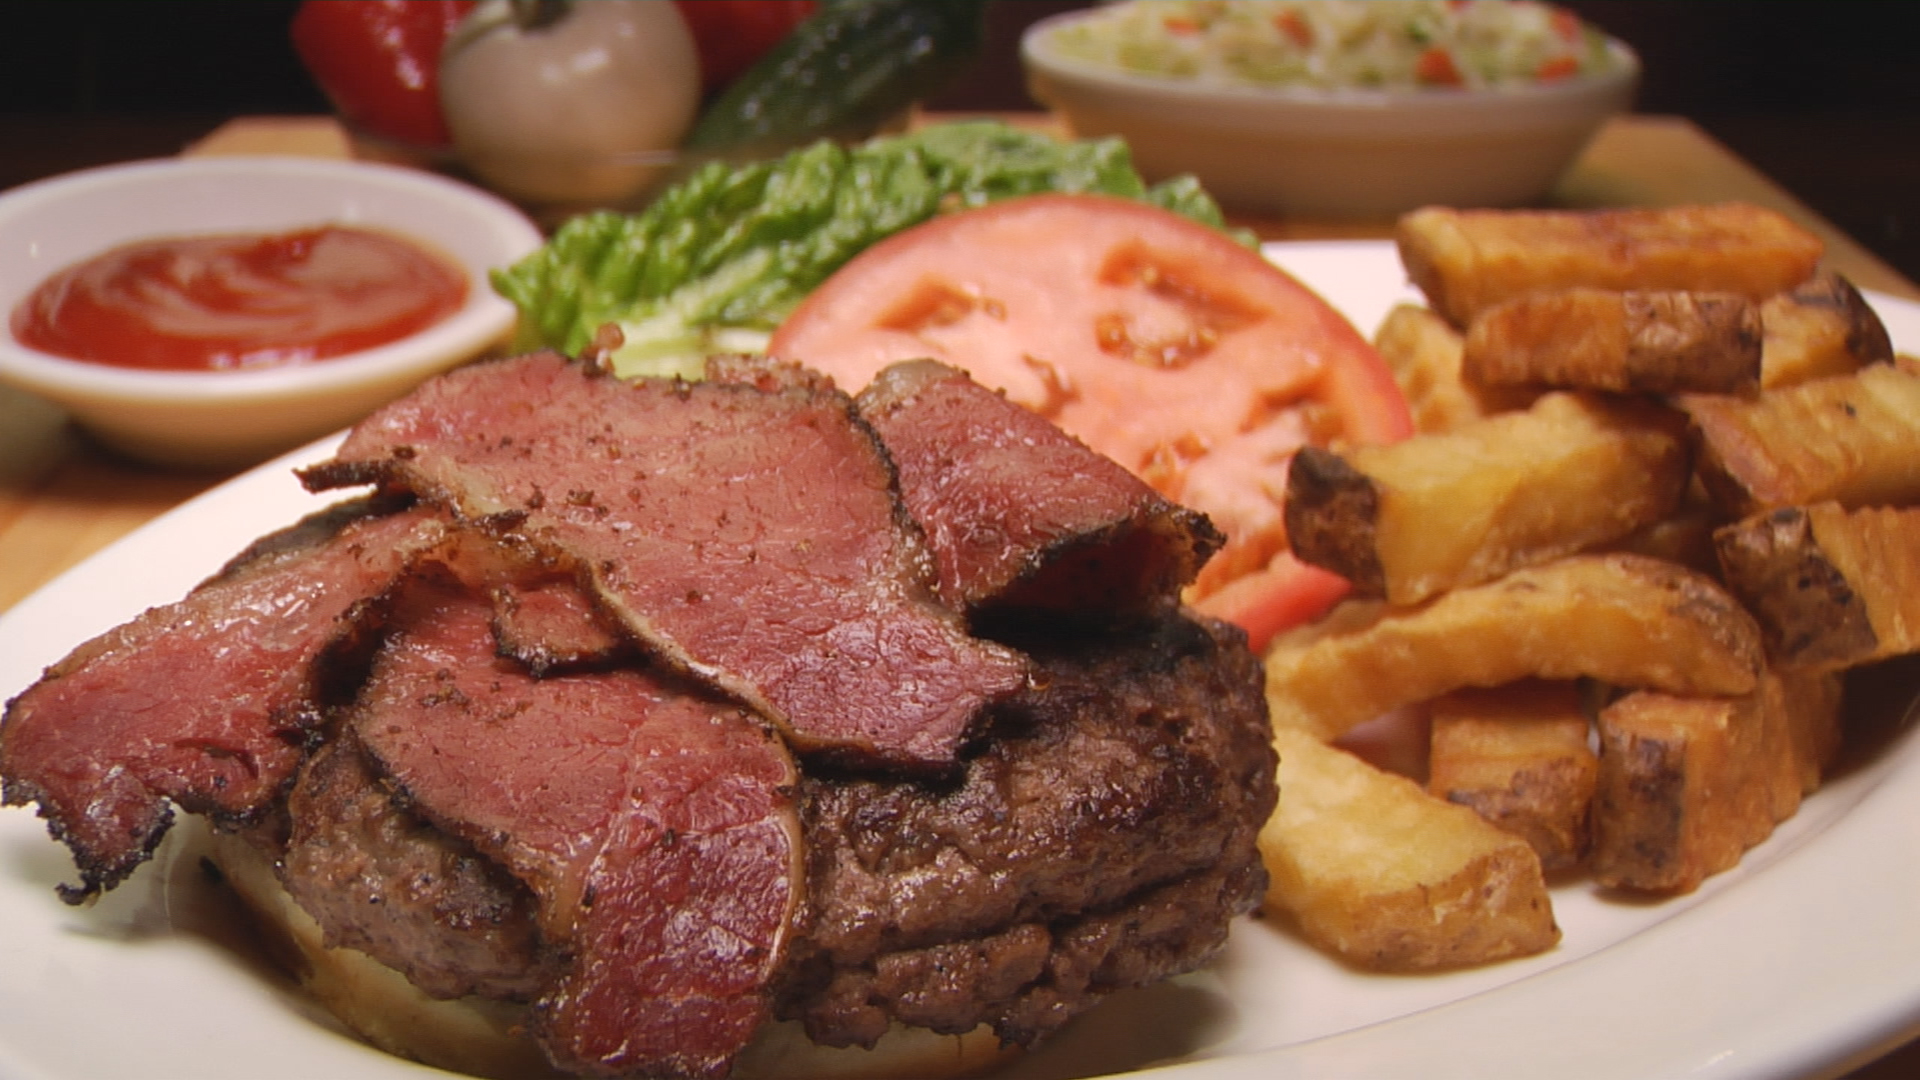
(487, 1038)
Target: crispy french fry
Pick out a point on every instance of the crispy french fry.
(1513, 569)
(1466, 261)
(1657, 341)
(1822, 328)
(1409, 520)
(1853, 439)
(1684, 536)
(1389, 878)
(1518, 755)
(1811, 701)
(1623, 619)
(1688, 784)
(1424, 353)
(1832, 588)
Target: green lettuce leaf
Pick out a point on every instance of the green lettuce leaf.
(719, 259)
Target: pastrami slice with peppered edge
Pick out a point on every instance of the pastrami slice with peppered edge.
(1021, 515)
(751, 535)
(207, 702)
(656, 830)
(551, 625)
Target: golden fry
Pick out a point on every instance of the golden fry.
(1518, 755)
(1684, 536)
(1688, 784)
(1541, 567)
(1623, 619)
(1389, 878)
(1824, 327)
(1415, 518)
(1467, 261)
(1639, 341)
(1424, 353)
(1811, 702)
(1832, 588)
(1853, 439)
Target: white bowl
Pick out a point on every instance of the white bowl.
(1335, 153)
(226, 419)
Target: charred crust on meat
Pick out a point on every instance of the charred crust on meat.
(96, 876)
(1324, 491)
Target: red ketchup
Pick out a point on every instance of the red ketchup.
(219, 303)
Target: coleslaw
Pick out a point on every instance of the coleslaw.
(1340, 44)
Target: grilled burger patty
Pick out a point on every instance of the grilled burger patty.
(1101, 839)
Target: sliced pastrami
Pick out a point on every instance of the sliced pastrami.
(1018, 513)
(656, 830)
(541, 618)
(751, 534)
(208, 702)
(551, 626)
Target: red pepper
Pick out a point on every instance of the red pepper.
(1435, 67)
(378, 61)
(1557, 68)
(731, 35)
(1567, 24)
(1295, 26)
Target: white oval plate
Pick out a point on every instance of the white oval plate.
(1801, 961)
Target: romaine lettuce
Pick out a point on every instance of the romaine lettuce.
(720, 258)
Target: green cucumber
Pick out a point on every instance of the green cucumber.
(843, 73)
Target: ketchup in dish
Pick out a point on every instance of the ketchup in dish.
(217, 303)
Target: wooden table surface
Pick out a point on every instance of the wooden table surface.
(62, 498)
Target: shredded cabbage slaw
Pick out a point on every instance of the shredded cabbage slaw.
(1339, 44)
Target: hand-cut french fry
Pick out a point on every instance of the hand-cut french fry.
(1389, 878)
(1658, 341)
(1409, 520)
(1821, 328)
(1623, 619)
(1688, 784)
(1853, 439)
(1424, 353)
(1466, 261)
(1811, 701)
(1832, 588)
(1684, 536)
(1518, 755)
(1544, 551)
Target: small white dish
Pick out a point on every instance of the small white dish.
(1352, 154)
(227, 419)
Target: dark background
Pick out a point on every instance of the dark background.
(1823, 97)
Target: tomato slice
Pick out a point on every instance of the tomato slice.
(1160, 342)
